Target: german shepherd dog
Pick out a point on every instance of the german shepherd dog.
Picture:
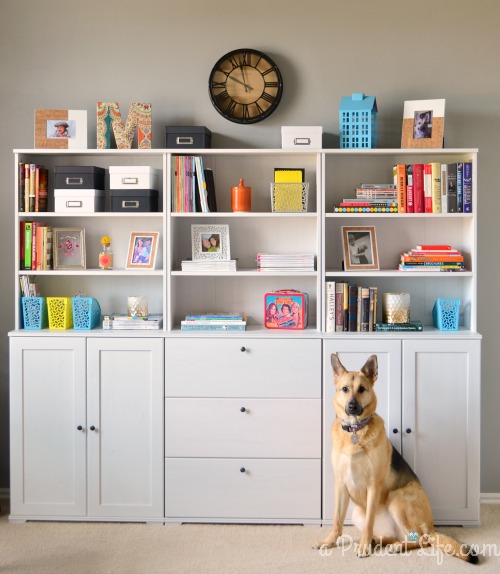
(391, 507)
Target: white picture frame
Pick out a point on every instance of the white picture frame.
(210, 242)
(423, 124)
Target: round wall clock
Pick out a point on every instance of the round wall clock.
(245, 86)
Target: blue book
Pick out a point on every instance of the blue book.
(467, 187)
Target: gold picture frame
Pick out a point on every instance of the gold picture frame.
(360, 248)
(61, 129)
(69, 248)
(423, 124)
(142, 250)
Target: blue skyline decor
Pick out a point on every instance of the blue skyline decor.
(358, 121)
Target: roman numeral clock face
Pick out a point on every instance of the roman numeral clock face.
(245, 86)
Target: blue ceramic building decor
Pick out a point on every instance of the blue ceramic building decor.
(358, 121)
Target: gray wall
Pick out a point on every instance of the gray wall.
(70, 54)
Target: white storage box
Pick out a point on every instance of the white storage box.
(78, 201)
(297, 137)
(133, 177)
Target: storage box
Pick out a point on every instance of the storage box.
(188, 137)
(86, 313)
(289, 197)
(35, 316)
(78, 177)
(133, 177)
(298, 137)
(134, 200)
(286, 309)
(60, 313)
(81, 201)
(446, 314)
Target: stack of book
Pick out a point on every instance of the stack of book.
(389, 327)
(35, 246)
(33, 187)
(208, 265)
(432, 258)
(296, 262)
(371, 198)
(350, 307)
(230, 321)
(117, 321)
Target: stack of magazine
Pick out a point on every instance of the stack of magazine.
(225, 321)
(209, 265)
(287, 262)
(117, 321)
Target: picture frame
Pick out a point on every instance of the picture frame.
(360, 248)
(423, 124)
(210, 242)
(142, 250)
(69, 248)
(61, 129)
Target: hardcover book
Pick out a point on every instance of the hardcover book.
(467, 187)
(451, 193)
(418, 187)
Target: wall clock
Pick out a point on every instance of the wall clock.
(245, 86)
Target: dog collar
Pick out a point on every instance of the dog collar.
(354, 428)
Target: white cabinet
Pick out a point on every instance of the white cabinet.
(48, 427)
(125, 418)
(86, 428)
(428, 394)
(243, 429)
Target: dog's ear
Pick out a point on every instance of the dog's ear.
(370, 368)
(338, 367)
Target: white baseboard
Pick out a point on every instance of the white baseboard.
(490, 498)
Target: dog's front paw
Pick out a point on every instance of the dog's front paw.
(329, 542)
(365, 549)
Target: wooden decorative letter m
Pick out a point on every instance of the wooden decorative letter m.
(109, 118)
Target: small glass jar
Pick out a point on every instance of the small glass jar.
(105, 256)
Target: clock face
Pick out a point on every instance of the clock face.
(245, 86)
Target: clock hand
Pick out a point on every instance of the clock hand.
(247, 87)
(244, 79)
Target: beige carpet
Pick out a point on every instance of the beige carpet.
(79, 548)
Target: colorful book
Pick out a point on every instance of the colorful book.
(460, 190)
(401, 183)
(28, 238)
(410, 205)
(193, 326)
(418, 187)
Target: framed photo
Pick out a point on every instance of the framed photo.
(210, 242)
(423, 124)
(142, 250)
(360, 248)
(61, 129)
(69, 248)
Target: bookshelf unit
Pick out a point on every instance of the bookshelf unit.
(264, 372)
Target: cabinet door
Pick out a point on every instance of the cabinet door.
(48, 434)
(441, 411)
(125, 407)
(353, 353)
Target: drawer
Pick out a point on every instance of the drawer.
(239, 489)
(242, 367)
(261, 428)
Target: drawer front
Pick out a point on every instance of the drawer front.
(242, 489)
(243, 368)
(133, 180)
(274, 428)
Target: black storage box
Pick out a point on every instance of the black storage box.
(134, 200)
(79, 177)
(195, 137)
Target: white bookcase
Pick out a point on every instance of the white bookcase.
(255, 370)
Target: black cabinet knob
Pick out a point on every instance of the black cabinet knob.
(243, 469)
(243, 349)
(408, 431)
(92, 427)
(243, 409)
(395, 431)
(79, 427)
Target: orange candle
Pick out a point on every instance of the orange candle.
(241, 197)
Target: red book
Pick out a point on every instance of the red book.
(434, 247)
(427, 188)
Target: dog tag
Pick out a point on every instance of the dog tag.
(354, 438)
